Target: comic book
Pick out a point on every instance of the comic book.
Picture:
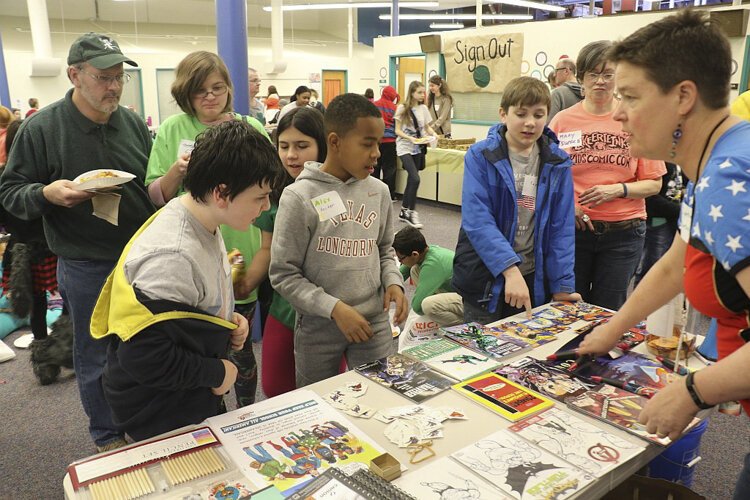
(486, 341)
(536, 332)
(520, 469)
(583, 310)
(407, 376)
(617, 407)
(288, 440)
(580, 443)
(451, 359)
(544, 377)
(447, 479)
(640, 369)
(502, 396)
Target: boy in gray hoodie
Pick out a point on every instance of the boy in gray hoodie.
(332, 255)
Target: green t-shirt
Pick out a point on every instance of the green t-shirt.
(280, 308)
(435, 275)
(180, 131)
(248, 243)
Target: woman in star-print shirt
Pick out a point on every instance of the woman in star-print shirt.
(673, 77)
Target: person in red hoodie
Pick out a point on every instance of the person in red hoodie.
(387, 161)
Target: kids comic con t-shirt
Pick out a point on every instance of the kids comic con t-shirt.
(601, 155)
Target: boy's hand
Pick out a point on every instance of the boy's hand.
(516, 292)
(230, 376)
(239, 334)
(394, 293)
(352, 324)
(566, 297)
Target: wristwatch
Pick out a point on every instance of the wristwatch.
(697, 399)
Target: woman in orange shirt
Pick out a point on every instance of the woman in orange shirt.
(610, 185)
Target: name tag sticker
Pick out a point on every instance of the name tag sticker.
(529, 185)
(686, 217)
(186, 147)
(570, 139)
(328, 205)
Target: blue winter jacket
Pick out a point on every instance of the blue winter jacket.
(489, 218)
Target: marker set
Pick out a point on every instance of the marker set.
(184, 464)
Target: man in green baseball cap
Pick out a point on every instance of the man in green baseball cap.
(85, 130)
(100, 51)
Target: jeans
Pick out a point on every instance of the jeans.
(606, 262)
(80, 282)
(412, 164)
(482, 316)
(387, 163)
(742, 488)
(658, 241)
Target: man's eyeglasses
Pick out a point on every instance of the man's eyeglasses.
(121, 79)
(594, 77)
(215, 91)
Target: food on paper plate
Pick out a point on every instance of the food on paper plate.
(99, 175)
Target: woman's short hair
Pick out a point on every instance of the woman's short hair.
(592, 57)
(6, 117)
(684, 46)
(190, 75)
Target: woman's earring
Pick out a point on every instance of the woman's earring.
(676, 136)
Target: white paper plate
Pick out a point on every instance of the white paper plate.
(120, 177)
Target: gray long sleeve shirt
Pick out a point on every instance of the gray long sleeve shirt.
(348, 256)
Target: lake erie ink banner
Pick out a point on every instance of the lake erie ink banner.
(482, 63)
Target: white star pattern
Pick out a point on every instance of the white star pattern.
(703, 184)
(725, 265)
(715, 212)
(697, 230)
(709, 237)
(733, 243)
(725, 164)
(736, 187)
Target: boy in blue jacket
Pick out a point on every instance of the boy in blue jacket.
(516, 244)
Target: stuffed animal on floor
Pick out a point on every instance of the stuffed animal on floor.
(53, 352)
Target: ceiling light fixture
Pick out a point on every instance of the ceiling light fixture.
(354, 5)
(468, 17)
(532, 5)
(446, 26)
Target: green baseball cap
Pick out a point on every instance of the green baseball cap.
(100, 51)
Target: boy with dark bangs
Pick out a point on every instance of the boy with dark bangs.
(169, 298)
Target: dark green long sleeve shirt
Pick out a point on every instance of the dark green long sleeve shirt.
(59, 142)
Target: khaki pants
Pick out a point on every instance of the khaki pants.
(444, 308)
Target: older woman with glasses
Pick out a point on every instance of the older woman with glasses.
(203, 90)
(610, 184)
(674, 79)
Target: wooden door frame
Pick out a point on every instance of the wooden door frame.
(392, 65)
(323, 79)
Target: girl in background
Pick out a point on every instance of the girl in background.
(299, 99)
(440, 104)
(203, 90)
(412, 131)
